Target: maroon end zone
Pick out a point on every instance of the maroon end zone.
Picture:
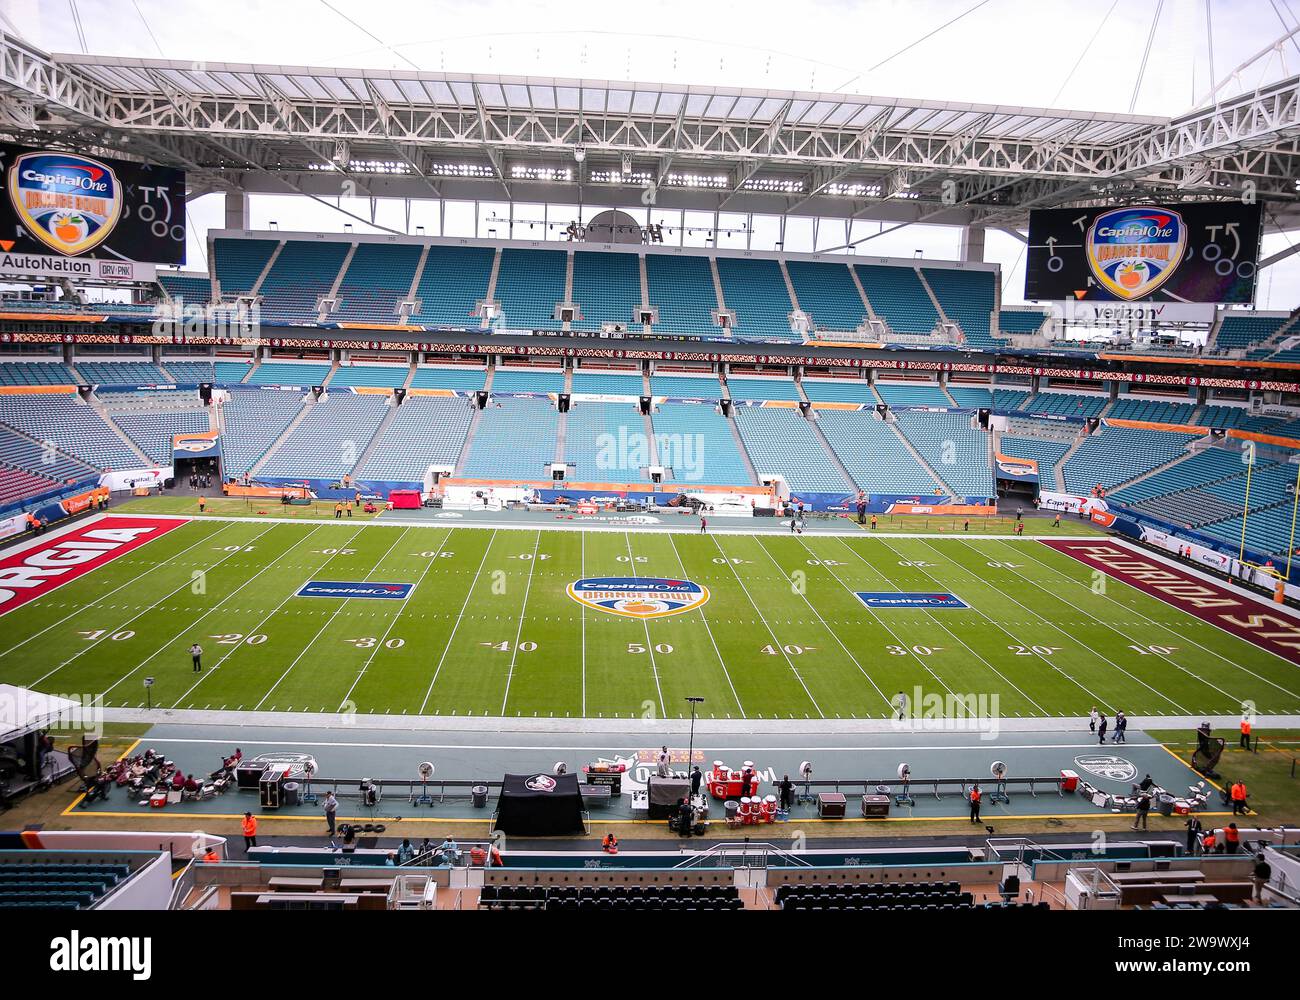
(1255, 621)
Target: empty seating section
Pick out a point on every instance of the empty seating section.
(1269, 484)
(1047, 454)
(120, 372)
(187, 289)
(839, 391)
(755, 292)
(231, 372)
(1216, 415)
(609, 383)
(254, 418)
(827, 295)
(371, 376)
(303, 373)
(73, 427)
(682, 289)
(239, 263)
(514, 440)
(152, 431)
(18, 484)
(875, 457)
(882, 896)
(331, 437)
(607, 288)
(781, 441)
(611, 899)
(36, 373)
(530, 283)
(605, 443)
(898, 297)
(1115, 455)
(45, 885)
(901, 394)
(426, 430)
(379, 276)
(1010, 399)
(302, 274)
(1016, 321)
(762, 388)
(18, 452)
(1267, 531)
(967, 298)
(1151, 410)
(998, 399)
(190, 372)
(453, 282)
(686, 386)
(528, 380)
(1207, 466)
(697, 443)
(955, 450)
(1240, 331)
(1065, 404)
(464, 379)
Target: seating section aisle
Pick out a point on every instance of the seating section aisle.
(426, 430)
(697, 443)
(378, 278)
(239, 263)
(152, 431)
(302, 274)
(1242, 331)
(254, 418)
(967, 298)
(955, 450)
(899, 298)
(331, 438)
(781, 441)
(876, 459)
(187, 290)
(515, 439)
(1208, 466)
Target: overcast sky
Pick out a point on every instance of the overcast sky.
(1080, 54)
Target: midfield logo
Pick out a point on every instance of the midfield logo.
(372, 591)
(638, 596)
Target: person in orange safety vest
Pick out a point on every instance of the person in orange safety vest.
(1245, 734)
(1238, 795)
(250, 830)
(609, 844)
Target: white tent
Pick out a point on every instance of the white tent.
(23, 711)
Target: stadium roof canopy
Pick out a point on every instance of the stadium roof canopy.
(412, 134)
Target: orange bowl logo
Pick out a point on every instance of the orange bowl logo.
(638, 596)
(70, 203)
(1133, 251)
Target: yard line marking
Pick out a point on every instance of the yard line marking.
(141, 614)
(311, 571)
(456, 624)
(388, 631)
(1052, 625)
(1170, 628)
(776, 642)
(1003, 630)
(135, 579)
(834, 634)
(649, 645)
(202, 616)
(328, 621)
(523, 613)
(704, 618)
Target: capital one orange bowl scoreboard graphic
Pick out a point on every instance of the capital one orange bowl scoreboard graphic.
(66, 214)
(1187, 252)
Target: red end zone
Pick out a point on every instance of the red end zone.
(1255, 621)
(35, 571)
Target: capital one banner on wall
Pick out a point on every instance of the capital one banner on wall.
(65, 214)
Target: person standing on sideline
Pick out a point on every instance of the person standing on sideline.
(1092, 719)
(1245, 734)
(196, 657)
(1238, 795)
(1143, 811)
(975, 796)
(331, 811)
(1020, 513)
(862, 511)
(1121, 727)
(1193, 834)
(1101, 730)
(696, 778)
(203, 505)
(1056, 521)
(1262, 872)
(785, 788)
(338, 512)
(249, 827)
(1232, 838)
(704, 525)
(873, 522)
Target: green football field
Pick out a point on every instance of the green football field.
(490, 630)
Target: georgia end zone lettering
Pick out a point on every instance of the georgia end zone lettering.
(1243, 616)
(34, 572)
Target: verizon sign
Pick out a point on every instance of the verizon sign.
(27, 575)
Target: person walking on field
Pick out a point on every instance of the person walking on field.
(196, 657)
(1092, 719)
(1101, 730)
(1143, 811)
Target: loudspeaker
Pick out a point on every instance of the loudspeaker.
(400, 393)
(316, 390)
(563, 404)
(205, 393)
(804, 407)
(646, 403)
(481, 399)
(882, 409)
(726, 407)
(984, 417)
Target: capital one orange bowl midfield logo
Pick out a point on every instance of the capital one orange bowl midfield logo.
(70, 203)
(638, 596)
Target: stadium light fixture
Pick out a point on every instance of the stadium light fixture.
(579, 153)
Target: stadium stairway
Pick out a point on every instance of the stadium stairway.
(893, 426)
(1177, 460)
(284, 436)
(378, 437)
(831, 454)
(146, 461)
(474, 421)
(741, 446)
(934, 299)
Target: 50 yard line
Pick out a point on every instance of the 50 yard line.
(705, 618)
(650, 646)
